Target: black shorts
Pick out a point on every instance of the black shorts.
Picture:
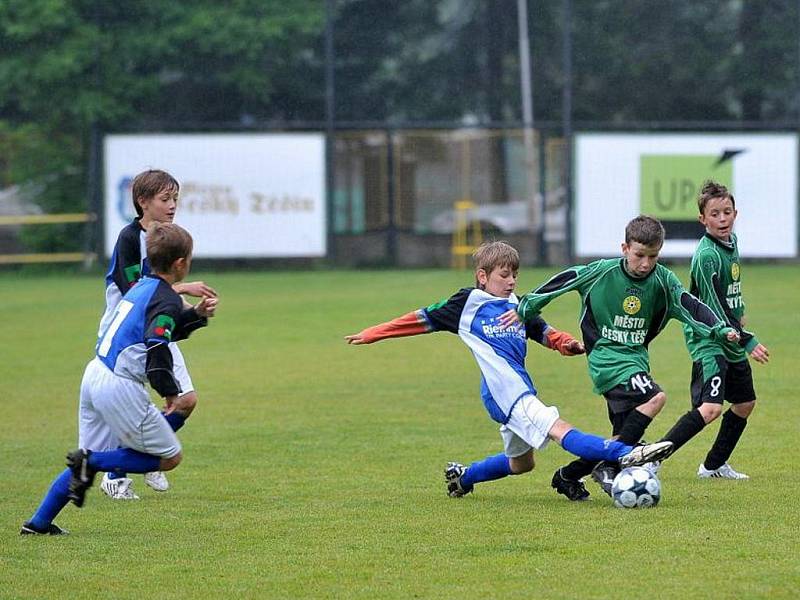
(715, 379)
(623, 398)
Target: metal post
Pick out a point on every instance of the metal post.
(330, 125)
(526, 90)
(566, 118)
(391, 205)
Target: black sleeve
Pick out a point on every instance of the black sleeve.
(445, 315)
(159, 371)
(163, 311)
(187, 322)
(128, 264)
(535, 329)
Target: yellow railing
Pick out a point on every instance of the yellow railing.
(47, 257)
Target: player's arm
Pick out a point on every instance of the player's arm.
(711, 290)
(161, 316)
(440, 316)
(196, 289)
(573, 278)
(550, 337)
(690, 310)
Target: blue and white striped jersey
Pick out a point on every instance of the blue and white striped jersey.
(473, 315)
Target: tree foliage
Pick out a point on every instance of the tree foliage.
(66, 65)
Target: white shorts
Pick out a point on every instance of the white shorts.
(528, 425)
(115, 411)
(180, 370)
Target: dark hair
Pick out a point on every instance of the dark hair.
(646, 230)
(712, 189)
(166, 243)
(491, 255)
(149, 183)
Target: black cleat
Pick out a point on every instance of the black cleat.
(453, 473)
(52, 529)
(604, 474)
(572, 489)
(82, 475)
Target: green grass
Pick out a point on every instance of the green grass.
(313, 469)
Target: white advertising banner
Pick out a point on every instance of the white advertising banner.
(241, 196)
(618, 176)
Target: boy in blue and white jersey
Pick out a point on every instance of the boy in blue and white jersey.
(485, 318)
(154, 194)
(115, 406)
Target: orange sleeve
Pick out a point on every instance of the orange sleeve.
(412, 323)
(559, 340)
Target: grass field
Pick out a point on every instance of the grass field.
(314, 469)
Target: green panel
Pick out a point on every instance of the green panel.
(670, 183)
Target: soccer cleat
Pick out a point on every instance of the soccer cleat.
(118, 489)
(82, 475)
(157, 480)
(724, 472)
(604, 474)
(572, 489)
(52, 529)
(452, 475)
(646, 453)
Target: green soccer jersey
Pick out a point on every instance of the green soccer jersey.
(621, 314)
(716, 279)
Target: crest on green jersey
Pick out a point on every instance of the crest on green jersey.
(631, 305)
(735, 271)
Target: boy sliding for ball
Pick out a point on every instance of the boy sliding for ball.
(499, 346)
(115, 406)
(719, 372)
(155, 197)
(625, 303)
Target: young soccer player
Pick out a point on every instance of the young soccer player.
(507, 390)
(719, 372)
(115, 406)
(155, 197)
(625, 303)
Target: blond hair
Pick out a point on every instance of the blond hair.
(492, 255)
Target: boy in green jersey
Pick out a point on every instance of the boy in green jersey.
(625, 303)
(719, 372)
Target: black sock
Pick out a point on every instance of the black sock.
(633, 428)
(685, 428)
(578, 469)
(729, 433)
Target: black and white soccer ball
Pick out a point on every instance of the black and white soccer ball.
(635, 487)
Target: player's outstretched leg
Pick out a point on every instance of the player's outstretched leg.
(461, 480)
(646, 453)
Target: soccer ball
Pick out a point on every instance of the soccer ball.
(635, 487)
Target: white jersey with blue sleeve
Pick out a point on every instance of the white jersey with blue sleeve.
(500, 352)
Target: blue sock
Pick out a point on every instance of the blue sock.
(488, 469)
(124, 460)
(175, 420)
(593, 447)
(55, 499)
